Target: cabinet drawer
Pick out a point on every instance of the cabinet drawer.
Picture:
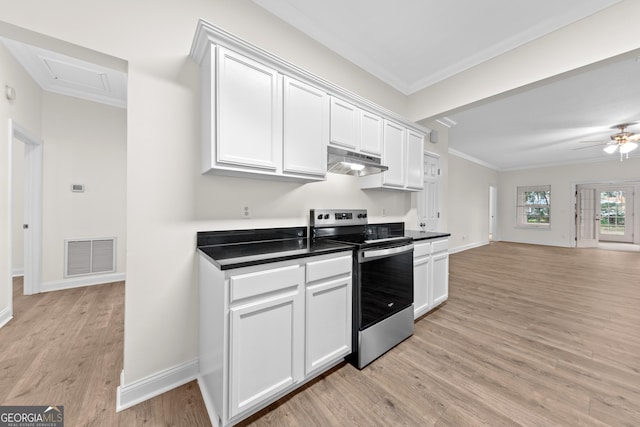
(440, 245)
(317, 270)
(421, 249)
(263, 282)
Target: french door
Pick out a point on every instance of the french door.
(616, 214)
(587, 219)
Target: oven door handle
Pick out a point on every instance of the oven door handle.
(378, 253)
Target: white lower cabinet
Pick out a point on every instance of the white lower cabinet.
(266, 333)
(430, 275)
(422, 273)
(267, 329)
(328, 316)
(440, 277)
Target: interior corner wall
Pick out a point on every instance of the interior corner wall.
(469, 203)
(84, 143)
(25, 110)
(563, 180)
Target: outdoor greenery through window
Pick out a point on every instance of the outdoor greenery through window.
(612, 212)
(534, 206)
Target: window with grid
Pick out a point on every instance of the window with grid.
(534, 206)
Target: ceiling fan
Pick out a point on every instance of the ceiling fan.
(622, 141)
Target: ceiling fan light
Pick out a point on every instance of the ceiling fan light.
(628, 146)
(610, 149)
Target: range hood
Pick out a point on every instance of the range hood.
(348, 162)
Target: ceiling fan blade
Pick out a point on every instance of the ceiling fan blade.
(611, 148)
(593, 142)
(634, 137)
(589, 146)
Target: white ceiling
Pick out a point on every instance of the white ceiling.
(412, 44)
(549, 124)
(67, 75)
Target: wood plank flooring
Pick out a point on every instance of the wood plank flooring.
(531, 335)
(66, 348)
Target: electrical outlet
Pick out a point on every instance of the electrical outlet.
(246, 212)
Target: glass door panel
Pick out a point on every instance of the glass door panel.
(614, 205)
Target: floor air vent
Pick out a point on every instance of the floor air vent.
(90, 256)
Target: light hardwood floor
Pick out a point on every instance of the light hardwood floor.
(530, 335)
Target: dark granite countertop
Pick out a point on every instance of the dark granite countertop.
(244, 248)
(233, 249)
(425, 235)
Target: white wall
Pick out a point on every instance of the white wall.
(84, 143)
(562, 180)
(469, 203)
(24, 110)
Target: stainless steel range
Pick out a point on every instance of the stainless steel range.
(382, 280)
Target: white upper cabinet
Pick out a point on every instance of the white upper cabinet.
(306, 128)
(402, 153)
(394, 155)
(247, 113)
(415, 164)
(257, 122)
(345, 122)
(370, 133)
(355, 129)
(265, 117)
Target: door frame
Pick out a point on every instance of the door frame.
(493, 212)
(32, 207)
(630, 207)
(599, 183)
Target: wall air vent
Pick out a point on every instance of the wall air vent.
(89, 256)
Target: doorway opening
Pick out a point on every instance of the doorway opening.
(493, 207)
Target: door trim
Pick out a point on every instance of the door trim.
(32, 206)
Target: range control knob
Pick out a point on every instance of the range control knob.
(361, 216)
(326, 216)
(320, 216)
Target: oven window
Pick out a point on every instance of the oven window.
(385, 287)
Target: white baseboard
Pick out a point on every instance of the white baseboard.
(17, 272)
(129, 395)
(467, 247)
(78, 282)
(5, 315)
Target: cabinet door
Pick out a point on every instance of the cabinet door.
(415, 166)
(328, 324)
(248, 113)
(344, 124)
(393, 154)
(306, 128)
(440, 283)
(422, 277)
(370, 133)
(266, 347)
